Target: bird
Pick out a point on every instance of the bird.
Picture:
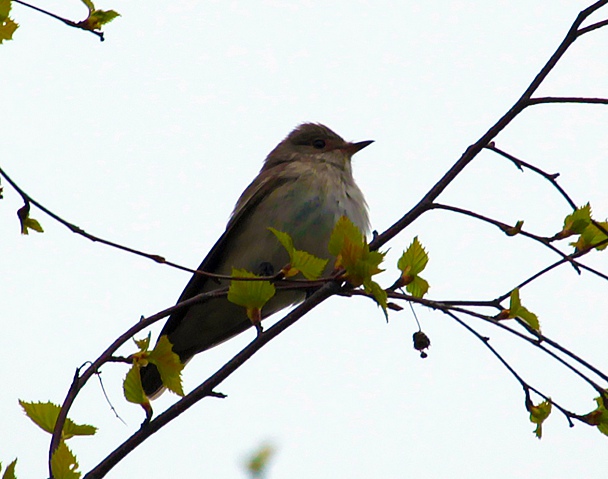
(304, 186)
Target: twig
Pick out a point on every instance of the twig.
(27, 199)
(79, 381)
(473, 150)
(524, 384)
(566, 99)
(552, 178)
(592, 27)
(206, 388)
(504, 227)
(70, 23)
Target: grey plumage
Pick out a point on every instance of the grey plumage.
(303, 188)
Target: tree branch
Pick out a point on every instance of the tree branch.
(69, 23)
(206, 388)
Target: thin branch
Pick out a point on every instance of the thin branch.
(80, 380)
(592, 27)
(504, 227)
(551, 177)
(206, 388)
(568, 259)
(27, 199)
(69, 23)
(536, 341)
(524, 384)
(473, 150)
(108, 355)
(567, 99)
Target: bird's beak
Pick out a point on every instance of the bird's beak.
(353, 148)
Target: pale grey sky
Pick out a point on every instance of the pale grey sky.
(148, 138)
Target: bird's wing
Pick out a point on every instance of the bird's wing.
(255, 193)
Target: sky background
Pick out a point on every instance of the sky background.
(148, 138)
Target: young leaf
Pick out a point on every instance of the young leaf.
(31, 223)
(7, 29)
(411, 264)
(284, 239)
(538, 414)
(299, 261)
(414, 259)
(418, 287)
(143, 344)
(96, 18)
(307, 264)
(598, 417)
(132, 388)
(344, 230)
(360, 263)
(259, 462)
(352, 253)
(7, 25)
(64, 464)
(45, 416)
(168, 364)
(591, 237)
(516, 310)
(9, 473)
(576, 222)
(380, 295)
(252, 295)
(26, 222)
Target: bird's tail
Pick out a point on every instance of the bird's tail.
(151, 381)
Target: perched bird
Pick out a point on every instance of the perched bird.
(304, 187)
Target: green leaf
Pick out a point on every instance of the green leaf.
(7, 29)
(538, 414)
(598, 417)
(300, 261)
(309, 265)
(132, 387)
(45, 416)
(252, 295)
(418, 287)
(602, 423)
(576, 222)
(26, 222)
(414, 259)
(379, 294)
(5, 9)
(591, 237)
(343, 231)
(284, 239)
(89, 5)
(352, 253)
(99, 18)
(515, 302)
(259, 461)
(96, 18)
(143, 344)
(168, 364)
(33, 224)
(411, 264)
(360, 263)
(516, 310)
(10, 470)
(64, 464)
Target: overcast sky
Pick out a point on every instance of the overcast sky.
(148, 138)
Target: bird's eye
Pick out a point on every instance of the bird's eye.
(318, 144)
